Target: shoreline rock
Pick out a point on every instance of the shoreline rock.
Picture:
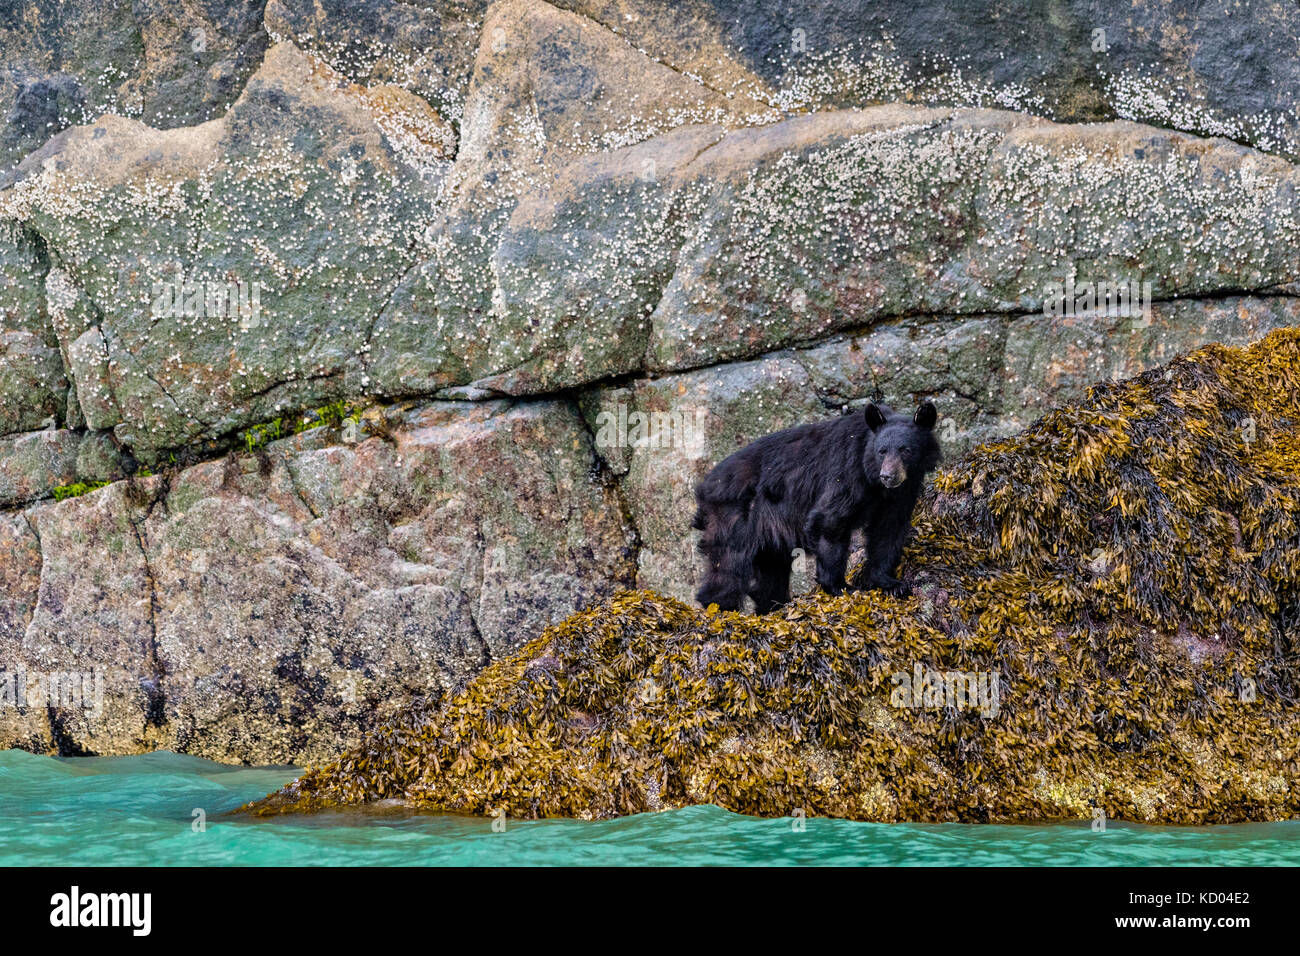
(1127, 570)
(716, 220)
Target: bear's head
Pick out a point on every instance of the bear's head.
(900, 447)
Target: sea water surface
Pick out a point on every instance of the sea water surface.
(141, 811)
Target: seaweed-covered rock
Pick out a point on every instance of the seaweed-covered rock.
(1107, 616)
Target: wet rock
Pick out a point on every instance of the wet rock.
(32, 382)
(22, 724)
(33, 464)
(551, 255)
(1207, 70)
(980, 211)
(95, 616)
(426, 49)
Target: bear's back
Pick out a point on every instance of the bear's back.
(769, 463)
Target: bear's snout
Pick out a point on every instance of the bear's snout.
(893, 472)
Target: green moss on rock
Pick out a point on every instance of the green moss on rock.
(77, 489)
(1127, 569)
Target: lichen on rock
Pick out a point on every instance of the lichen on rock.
(1125, 572)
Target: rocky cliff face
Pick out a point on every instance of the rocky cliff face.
(394, 332)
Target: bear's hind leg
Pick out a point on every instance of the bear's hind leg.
(830, 534)
(726, 545)
(727, 570)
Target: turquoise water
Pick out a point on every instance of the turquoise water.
(140, 811)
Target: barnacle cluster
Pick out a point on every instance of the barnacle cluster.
(1127, 569)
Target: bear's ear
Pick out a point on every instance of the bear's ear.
(925, 416)
(875, 417)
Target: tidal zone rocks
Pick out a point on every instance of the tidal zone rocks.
(1107, 620)
(219, 223)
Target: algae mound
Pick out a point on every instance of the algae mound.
(1127, 570)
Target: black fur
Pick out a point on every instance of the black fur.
(810, 487)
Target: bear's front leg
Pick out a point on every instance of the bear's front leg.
(829, 530)
(832, 560)
(886, 534)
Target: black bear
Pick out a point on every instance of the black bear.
(809, 487)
